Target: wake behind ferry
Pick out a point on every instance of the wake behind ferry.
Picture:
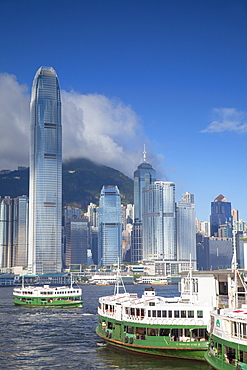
(173, 327)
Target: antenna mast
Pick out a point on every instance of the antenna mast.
(144, 154)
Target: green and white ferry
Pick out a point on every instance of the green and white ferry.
(46, 296)
(228, 339)
(227, 349)
(172, 327)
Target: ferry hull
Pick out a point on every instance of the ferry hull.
(158, 346)
(38, 303)
(218, 361)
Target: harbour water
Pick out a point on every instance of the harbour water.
(49, 338)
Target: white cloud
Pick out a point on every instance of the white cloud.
(14, 122)
(94, 126)
(227, 119)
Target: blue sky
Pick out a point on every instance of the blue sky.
(169, 74)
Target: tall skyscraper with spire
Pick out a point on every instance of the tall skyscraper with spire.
(45, 188)
(143, 176)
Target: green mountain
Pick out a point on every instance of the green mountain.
(82, 182)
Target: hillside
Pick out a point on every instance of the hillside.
(82, 182)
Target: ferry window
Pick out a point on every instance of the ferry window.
(140, 330)
(202, 333)
(234, 328)
(138, 312)
(200, 314)
(174, 335)
(164, 332)
(109, 325)
(169, 313)
(219, 349)
(151, 303)
(126, 310)
(106, 306)
(152, 332)
(159, 313)
(130, 330)
(243, 356)
(190, 314)
(132, 311)
(243, 330)
(164, 314)
(195, 334)
(187, 332)
(142, 312)
(149, 313)
(176, 313)
(183, 314)
(153, 313)
(230, 355)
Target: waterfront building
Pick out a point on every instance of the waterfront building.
(110, 226)
(220, 214)
(186, 229)
(77, 241)
(159, 221)
(136, 242)
(234, 215)
(72, 212)
(45, 188)
(20, 231)
(6, 234)
(92, 214)
(214, 253)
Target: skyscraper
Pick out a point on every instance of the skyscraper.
(110, 226)
(159, 221)
(143, 176)
(220, 214)
(20, 231)
(186, 229)
(77, 240)
(45, 188)
(6, 233)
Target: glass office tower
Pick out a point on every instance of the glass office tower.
(110, 226)
(186, 229)
(143, 176)
(220, 214)
(159, 221)
(45, 188)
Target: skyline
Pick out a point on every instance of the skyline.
(166, 74)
